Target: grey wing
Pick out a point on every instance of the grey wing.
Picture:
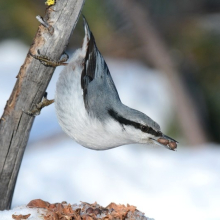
(96, 81)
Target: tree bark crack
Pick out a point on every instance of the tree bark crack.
(6, 156)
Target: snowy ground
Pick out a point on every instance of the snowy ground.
(36, 214)
(165, 185)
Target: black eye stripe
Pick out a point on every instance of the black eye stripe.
(124, 121)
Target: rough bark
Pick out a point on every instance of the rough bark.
(156, 50)
(32, 81)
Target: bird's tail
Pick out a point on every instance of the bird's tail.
(89, 45)
(87, 29)
(89, 40)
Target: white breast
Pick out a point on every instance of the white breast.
(73, 117)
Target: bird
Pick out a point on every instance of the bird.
(89, 109)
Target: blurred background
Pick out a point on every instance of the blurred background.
(164, 57)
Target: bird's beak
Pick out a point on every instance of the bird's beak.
(166, 142)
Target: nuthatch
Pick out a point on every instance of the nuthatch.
(89, 109)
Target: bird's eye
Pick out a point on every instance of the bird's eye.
(144, 128)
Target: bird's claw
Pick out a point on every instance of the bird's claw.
(37, 108)
(48, 62)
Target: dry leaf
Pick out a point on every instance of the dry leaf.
(85, 211)
(38, 203)
(68, 210)
(51, 216)
(20, 217)
(87, 217)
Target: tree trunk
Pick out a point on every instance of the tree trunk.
(31, 84)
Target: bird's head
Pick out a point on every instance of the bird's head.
(139, 128)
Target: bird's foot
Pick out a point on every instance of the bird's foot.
(37, 108)
(51, 63)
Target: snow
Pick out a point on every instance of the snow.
(159, 182)
(165, 185)
(22, 210)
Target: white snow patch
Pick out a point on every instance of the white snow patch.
(36, 213)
